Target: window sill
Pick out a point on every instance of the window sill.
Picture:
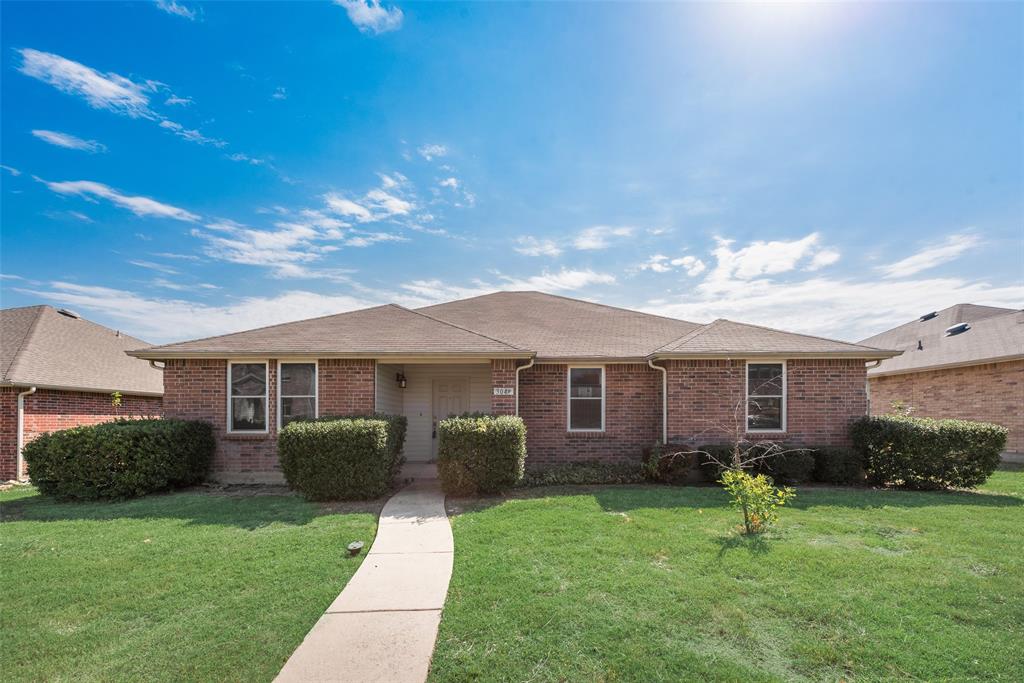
(244, 436)
(587, 435)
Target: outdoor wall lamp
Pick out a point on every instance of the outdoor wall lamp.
(400, 378)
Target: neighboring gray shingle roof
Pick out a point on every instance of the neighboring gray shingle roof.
(724, 337)
(44, 348)
(995, 334)
(382, 330)
(558, 327)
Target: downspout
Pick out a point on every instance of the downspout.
(664, 400)
(519, 368)
(867, 382)
(21, 430)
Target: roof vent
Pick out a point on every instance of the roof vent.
(959, 328)
(920, 346)
(929, 316)
(68, 313)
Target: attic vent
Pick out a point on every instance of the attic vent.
(957, 329)
(929, 316)
(70, 314)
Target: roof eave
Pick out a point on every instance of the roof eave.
(873, 354)
(878, 372)
(157, 354)
(86, 390)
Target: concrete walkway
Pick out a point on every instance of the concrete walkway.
(383, 625)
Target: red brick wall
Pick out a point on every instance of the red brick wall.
(49, 410)
(993, 392)
(503, 374)
(632, 415)
(197, 390)
(823, 398)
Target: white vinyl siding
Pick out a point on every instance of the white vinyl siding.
(418, 397)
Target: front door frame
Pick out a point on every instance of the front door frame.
(435, 417)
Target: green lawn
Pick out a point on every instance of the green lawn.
(652, 584)
(188, 586)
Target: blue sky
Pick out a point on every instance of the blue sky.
(177, 169)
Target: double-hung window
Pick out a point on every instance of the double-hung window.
(766, 397)
(247, 403)
(296, 392)
(586, 399)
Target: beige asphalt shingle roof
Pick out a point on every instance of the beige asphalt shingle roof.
(44, 348)
(382, 330)
(559, 327)
(723, 337)
(509, 324)
(995, 334)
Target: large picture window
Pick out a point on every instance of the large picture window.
(297, 392)
(586, 399)
(766, 397)
(247, 406)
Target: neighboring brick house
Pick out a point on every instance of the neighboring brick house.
(58, 371)
(966, 362)
(589, 380)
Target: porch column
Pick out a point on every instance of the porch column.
(503, 383)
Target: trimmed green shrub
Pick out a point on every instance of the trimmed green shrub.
(711, 470)
(838, 465)
(342, 458)
(923, 453)
(480, 453)
(793, 467)
(670, 464)
(120, 459)
(584, 472)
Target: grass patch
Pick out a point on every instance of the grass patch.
(185, 586)
(653, 583)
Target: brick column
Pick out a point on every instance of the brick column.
(503, 376)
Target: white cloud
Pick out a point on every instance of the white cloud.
(390, 200)
(10, 169)
(238, 156)
(453, 183)
(191, 135)
(370, 238)
(173, 100)
(531, 246)
(69, 141)
(162, 320)
(177, 9)
(600, 236)
(369, 16)
(931, 256)
(842, 308)
(347, 207)
(280, 93)
(659, 263)
(388, 205)
(429, 152)
(825, 257)
(158, 267)
(108, 91)
(140, 206)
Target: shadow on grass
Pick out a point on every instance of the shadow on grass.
(755, 544)
(249, 512)
(631, 497)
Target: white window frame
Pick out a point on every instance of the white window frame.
(569, 397)
(316, 385)
(266, 395)
(746, 395)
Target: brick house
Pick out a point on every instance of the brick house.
(965, 361)
(58, 370)
(590, 381)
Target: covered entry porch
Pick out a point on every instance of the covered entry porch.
(427, 392)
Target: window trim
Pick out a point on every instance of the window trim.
(569, 397)
(746, 395)
(316, 385)
(266, 395)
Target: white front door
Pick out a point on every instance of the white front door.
(451, 397)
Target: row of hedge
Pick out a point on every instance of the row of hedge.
(120, 459)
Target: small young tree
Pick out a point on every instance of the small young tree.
(756, 495)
